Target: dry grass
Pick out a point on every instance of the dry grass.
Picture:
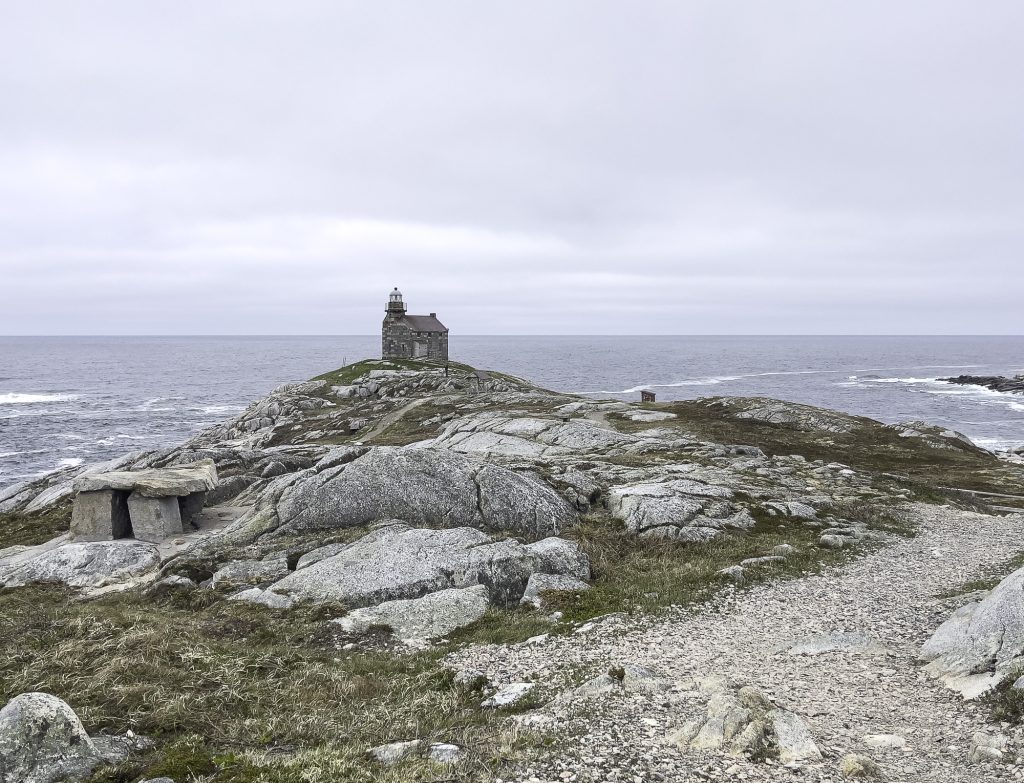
(236, 693)
(31, 529)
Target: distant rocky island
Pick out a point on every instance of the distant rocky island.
(997, 383)
(413, 569)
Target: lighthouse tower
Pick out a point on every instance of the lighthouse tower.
(405, 336)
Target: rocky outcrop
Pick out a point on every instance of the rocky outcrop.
(492, 434)
(43, 741)
(422, 486)
(997, 383)
(936, 437)
(419, 620)
(791, 414)
(745, 723)
(400, 562)
(92, 564)
(544, 583)
(679, 509)
(982, 644)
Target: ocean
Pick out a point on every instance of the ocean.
(73, 400)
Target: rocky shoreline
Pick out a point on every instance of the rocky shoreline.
(390, 512)
(997, 383)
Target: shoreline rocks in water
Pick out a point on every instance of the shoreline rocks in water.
(997, 383)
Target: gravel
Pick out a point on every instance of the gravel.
(843, 696)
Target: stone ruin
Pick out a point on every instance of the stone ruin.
(149, 505)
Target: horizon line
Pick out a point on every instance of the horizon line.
(552, 334)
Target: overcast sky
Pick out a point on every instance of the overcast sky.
(519, 167)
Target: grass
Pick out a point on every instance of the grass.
(236, 693)
(31, 529)
(344, 376)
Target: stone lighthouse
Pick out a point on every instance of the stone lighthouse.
(405, 336)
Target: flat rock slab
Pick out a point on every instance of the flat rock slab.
(398, 562)
(418, 620)
(199, 476)
(87, 564)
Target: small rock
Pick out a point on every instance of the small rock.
(445, 753)
(793, 738)
(987, 747)
(733, 574)
(598, 686)
(394, 752)
(417, 620)
(885, 741)
(541, 583)
(830, 541)
(510, 696)
(264, 597)
(173, 582)
(643, 680)
(470, 679)
(855, 766)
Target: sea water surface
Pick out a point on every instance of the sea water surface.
(72, 400)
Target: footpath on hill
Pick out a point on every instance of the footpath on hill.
(848, 698)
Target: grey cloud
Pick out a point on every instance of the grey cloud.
(529, 167)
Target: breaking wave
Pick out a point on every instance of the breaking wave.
(18, 398)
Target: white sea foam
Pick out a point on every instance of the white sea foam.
(16, 453)
(999, 444)
(19, 398)
(969, 392)
(223, 408)
(71, 462)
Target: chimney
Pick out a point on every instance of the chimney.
(433, 315)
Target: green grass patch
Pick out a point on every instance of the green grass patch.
(30, 529)
(345, 376)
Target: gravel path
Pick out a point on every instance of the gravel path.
(889, 594)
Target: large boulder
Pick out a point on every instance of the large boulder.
(89, 564)
(982, 644)
(43, 741)
(418, 620)
(399, 562)
(422, 487)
